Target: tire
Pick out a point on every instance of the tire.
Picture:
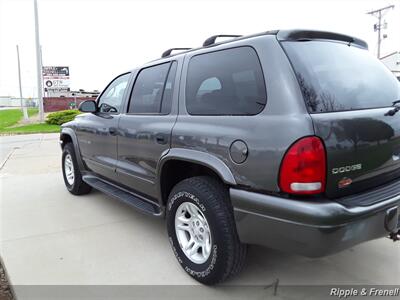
(75, 185)
(191, 200)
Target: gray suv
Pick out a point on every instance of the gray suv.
(288, 139)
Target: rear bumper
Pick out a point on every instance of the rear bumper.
(310, 228)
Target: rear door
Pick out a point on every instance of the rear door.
(348, 93)
(145, 129)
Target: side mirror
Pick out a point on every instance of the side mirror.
(88, 106)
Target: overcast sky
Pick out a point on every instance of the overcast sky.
(100, 39)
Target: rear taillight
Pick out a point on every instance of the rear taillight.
(303, 168)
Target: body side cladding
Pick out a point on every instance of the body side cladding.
(66, 131)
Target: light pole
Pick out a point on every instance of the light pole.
(378, 27)
(22, 102)
(38, 63)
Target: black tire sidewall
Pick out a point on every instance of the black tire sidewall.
(215, 264)
(69, 150)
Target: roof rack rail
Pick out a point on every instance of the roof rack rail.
(211, 39)
(169, 51)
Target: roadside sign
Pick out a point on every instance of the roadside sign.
(56, 78)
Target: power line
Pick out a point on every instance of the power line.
(379, 13)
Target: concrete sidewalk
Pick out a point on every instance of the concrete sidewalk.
(50, 237)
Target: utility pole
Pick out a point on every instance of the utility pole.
(22, 102)
(378, 27)
(38, 63)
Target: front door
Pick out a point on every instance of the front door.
(145, 129)
(97, 132)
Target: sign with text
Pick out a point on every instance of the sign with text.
(55, 78)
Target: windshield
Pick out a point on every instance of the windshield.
(336, 77)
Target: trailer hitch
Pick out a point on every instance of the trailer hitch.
(395, 236)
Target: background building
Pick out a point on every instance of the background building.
(392, 61)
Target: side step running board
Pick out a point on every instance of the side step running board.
(123, 195)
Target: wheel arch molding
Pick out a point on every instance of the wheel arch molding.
(194, 163)
(68, 135)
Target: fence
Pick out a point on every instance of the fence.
(51, 104)
(15, 102)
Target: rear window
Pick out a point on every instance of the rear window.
(337, 77)
(226, 82)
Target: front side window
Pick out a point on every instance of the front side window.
(334, 76)
(111, 99)
(152, 92)
(227, 82)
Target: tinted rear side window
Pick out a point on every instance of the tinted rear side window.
(168, 90)
(335, 77)
(227, 82)
(148, 90)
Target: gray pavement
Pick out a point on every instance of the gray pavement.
(50, 237)
(11, 142)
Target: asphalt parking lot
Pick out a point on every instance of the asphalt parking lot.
(50, 237)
